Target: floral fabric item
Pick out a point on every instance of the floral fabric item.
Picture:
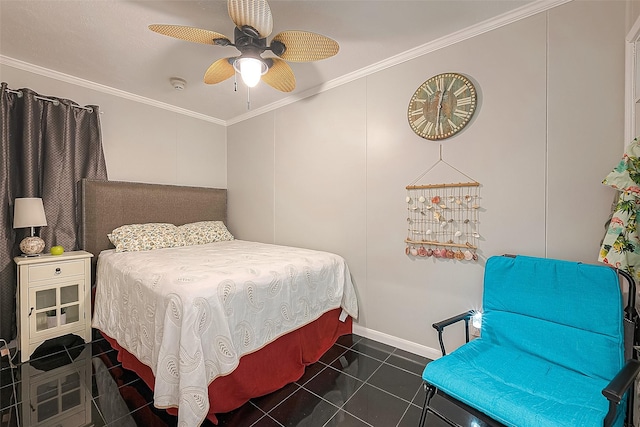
(621, 243)
(145, 237)
(203, 232)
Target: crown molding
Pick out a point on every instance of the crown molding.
(25, 66)
(515, 15)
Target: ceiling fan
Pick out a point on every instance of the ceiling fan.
(254, 24)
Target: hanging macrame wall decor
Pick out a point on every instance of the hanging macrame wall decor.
(443, 219)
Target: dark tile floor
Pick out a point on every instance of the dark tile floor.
(358, 382)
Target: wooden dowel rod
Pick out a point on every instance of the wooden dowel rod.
(460, 184)
(432, 243)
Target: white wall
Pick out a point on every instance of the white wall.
(330, 171)
(250, 204)
(633, 11)
(142, 143)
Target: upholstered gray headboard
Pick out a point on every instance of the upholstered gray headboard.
(106, 205)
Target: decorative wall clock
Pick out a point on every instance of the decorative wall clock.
(442, 106)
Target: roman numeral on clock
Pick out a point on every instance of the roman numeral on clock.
(429, 90)
(460, 90)
(460, 113)
(419, 122)
(463, 101)
(428, 128)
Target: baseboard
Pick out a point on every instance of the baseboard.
(412, 347)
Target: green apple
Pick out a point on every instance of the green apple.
(57, 250)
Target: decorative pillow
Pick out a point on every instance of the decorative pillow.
(145, 237)
(200, 233)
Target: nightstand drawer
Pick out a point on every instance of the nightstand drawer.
(56, 270)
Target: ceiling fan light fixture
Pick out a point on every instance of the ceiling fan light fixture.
(253, 24)
(250, 69)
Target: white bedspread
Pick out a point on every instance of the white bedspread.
(190, 313)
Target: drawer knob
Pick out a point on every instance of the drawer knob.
(58, 271)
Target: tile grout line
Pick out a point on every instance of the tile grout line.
(403, 414)
(391, 394)
(416, 395)
(402, 369)
(130, 413)
(264, 415)
(283, 400)
(340, 408)
(409, 406)
(95, 403)
(317, 373)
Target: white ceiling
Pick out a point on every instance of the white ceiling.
(107, 42)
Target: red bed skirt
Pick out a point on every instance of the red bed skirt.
(264, 371)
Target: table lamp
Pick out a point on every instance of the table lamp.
(29, 212)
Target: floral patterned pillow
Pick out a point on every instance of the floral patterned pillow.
(146, 237)
(200, 233)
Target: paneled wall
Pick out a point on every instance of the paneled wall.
(330, 171)
(141, 142)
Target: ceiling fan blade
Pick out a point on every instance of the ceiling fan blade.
(305, 46)
(219, 71)
(280, 76)
(255, 13)
(190, 34)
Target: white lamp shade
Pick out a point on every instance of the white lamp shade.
(29, 212)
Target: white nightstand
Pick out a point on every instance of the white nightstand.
(54, 298)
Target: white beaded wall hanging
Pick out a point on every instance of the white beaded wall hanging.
(443, 220)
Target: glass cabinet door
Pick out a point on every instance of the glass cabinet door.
(55, 306)
(70, 304)
(45, 309)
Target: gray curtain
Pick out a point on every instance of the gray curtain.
(48, 144)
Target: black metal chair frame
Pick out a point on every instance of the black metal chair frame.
(614, 392)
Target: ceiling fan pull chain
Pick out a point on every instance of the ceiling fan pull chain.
(248, 98)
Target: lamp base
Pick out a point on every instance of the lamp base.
(32, 246)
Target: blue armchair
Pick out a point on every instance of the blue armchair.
(551, 351)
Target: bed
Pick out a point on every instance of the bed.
(208, 327)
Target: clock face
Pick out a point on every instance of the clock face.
(442, 106)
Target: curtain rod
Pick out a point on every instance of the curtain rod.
(55, 101)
